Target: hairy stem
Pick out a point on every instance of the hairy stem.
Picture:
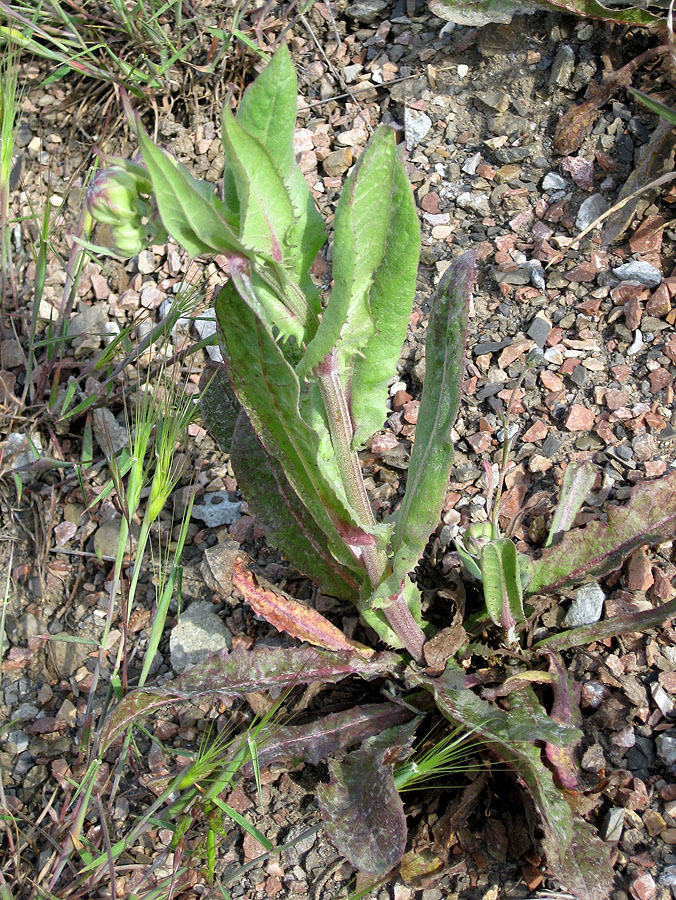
(342, 432)
(402, 622)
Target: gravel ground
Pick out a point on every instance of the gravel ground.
(476, 111)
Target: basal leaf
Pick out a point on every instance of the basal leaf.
(198, 222)
(315, 741)
(599, 547)
(290, 615)
(502, 585)
(637, 622)
(566, 710)
(578, 480)
(243, 671)
(288, 524)
(362, 810)
(584, 867)
(359, 247)
(268, 112)
(219, 405)
(432, 455)
(390, 300)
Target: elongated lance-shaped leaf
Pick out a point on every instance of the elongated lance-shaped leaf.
(578, 480)
(244, 671)
(359, 247)
(362, 810)
(268, 389)
(219, 405)
(627, 623)
(268, 112)
(314, 741)
(599, 547)
(585, 866)
(390, 301)
(288, 523)
(432, 455)
(290, 615)
(199, 222)
(502, 585)
(565, 709)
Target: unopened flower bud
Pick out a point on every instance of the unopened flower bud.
(476, 536)
(129, 238)
(112, 197)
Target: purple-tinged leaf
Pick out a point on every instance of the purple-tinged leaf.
(288, 524)
(623, 624)
(315, 741)
(289, 615)
(566, 710)
(578, 480)
(584, 867)
(243, 671)
(218, 404)
(362, 810)
(600, 547)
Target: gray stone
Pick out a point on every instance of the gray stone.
(366, 10)
(416, 126)
(636, 344)
(475, 202)
(107, 536)
(87, 328)
(539, 330)
(579, 376)
(217, 509)
(21, 450)
(217, 566)
(200, 631)
(205, 326)
(611, 829)
(590, 209)
(27, 712)
(66, 657)
(16, 742)
(495, 101)
(110, 435)
(11, 354)
(666, 748)
(470, 165)
(537, 275)
(562, 67)
(587, 606)
(641, 271)
(554, 182)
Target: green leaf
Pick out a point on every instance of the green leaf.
(656, 106)
(390, 301)
(268, 389)
(218, 404)
(268, 112)
(502, 585)
(197, 220)
(288, 524)
(358, 251)
(578, 480)
(432, 455)
(584, 867)
(266, 214)
(600, 547)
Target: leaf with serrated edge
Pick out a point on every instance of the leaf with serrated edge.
(288, 524)
(578, 480)
(502, 585)
(289, 615)
(268, 112)
(243, 671)
(432, 455)
(362, 810)
(191, 218)
(648, 517)
(390, 300)
(316, 740)
(358, 248)
(218, 404)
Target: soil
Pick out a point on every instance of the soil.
(476, 111)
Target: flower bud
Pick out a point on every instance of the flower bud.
(112, 197)
(129, 238)
(476, 536)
